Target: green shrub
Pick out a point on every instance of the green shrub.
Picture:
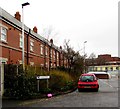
(23, 84)
(45, 90)
(60, 81)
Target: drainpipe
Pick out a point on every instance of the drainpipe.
(49, 57)
(28, 46)
(60, 59)
(44, 55)
(56, 59)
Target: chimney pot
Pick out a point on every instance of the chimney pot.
(61, 47)
(35, 29)
(51, 41)
(18, 16)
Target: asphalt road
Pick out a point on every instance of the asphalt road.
(107, 96)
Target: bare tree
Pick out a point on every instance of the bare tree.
(49, 33)
(92, 56)
(91, 60)
(75, 61)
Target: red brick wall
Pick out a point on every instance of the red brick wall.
(13, 56)
(12, 51)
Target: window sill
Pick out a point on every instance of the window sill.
(20, 47)
(41, 55)
(5, 42)
(31, 51)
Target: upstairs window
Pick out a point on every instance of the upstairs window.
(41, 49)
(57, 55)
(31, 45)
(51, 55)
(46, 51)
(21, 43)
(3, 34)
(54, 54)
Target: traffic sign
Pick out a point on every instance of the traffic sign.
(43, 77)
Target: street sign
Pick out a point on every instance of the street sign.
(43, 77)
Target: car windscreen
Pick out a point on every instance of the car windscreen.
(87, 78)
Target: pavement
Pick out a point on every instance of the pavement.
(6, 102)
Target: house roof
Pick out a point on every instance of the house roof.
(6, 17)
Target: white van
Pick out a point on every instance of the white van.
(101, 75)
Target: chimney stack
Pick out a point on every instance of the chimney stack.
(35, 29)
(18, 16)
(61, 47)
(51, 41)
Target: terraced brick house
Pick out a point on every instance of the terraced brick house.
(38, 50)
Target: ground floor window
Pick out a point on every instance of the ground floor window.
(3, 60)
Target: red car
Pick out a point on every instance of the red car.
(88, 81)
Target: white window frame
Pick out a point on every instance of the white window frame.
(57, 55)
(3, 34)
(51, 55)
(51, 64)
(46, 50)
(31, 63)
(20, 61)
(54, 54)
(41, 49)
(3, 60)
(42, 65)
(20, 41)
(31, 45)
(57, 64)
(54, 65)
(46, 64)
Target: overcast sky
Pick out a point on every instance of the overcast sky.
(94, 21)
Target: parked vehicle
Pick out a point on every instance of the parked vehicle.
(101, 74)
(88, 81)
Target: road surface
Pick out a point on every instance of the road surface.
(107, 96)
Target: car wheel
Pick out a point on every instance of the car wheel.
(97, 89)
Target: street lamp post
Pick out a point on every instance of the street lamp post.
(84, 56)
(24, 4)
(50, 60)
